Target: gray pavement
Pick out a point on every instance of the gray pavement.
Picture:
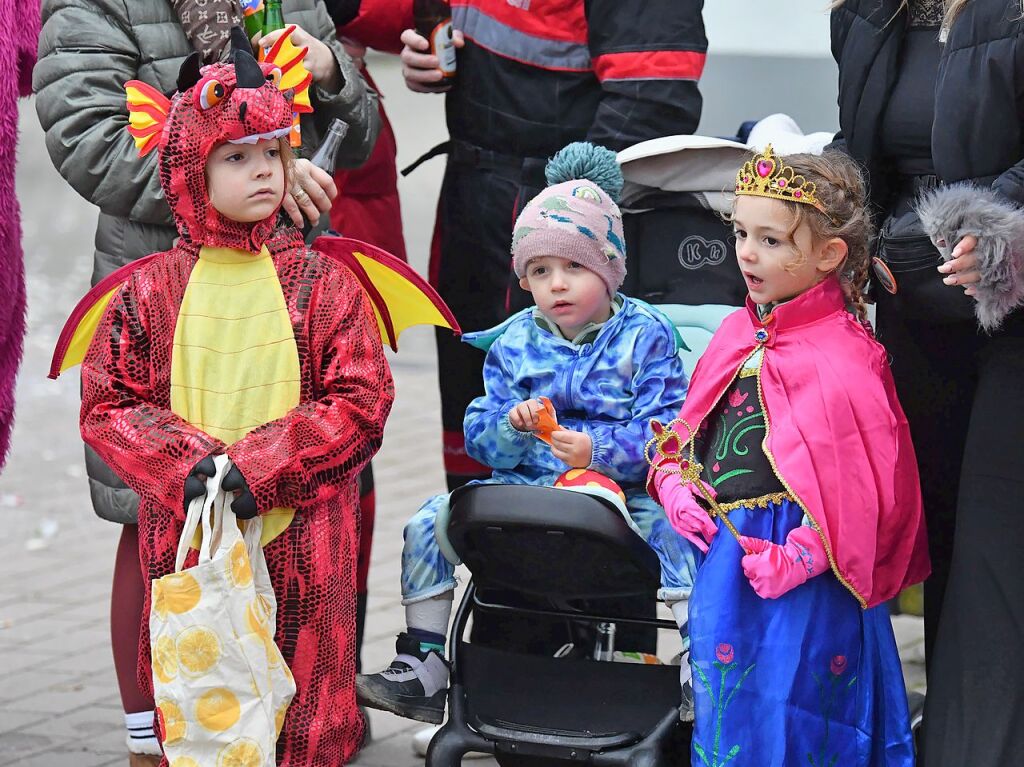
(58, 698)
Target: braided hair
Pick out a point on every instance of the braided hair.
(840, 188)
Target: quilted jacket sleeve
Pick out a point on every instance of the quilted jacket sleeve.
(86, 55)
(356, 103)
(149, 447)
(316, 451)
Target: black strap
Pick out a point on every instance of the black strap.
(443, 148)
(529, 170)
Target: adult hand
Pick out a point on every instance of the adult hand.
(574, 447)
(685, 514)
(244, 505)
(419, 67)
(773, 569)
(310, 194)
(195, 482)
(962, 268)
(319, 58)
(524, 416)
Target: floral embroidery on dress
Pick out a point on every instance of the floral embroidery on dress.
(725, 662)
(827, 691)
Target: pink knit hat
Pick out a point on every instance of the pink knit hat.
(576, 218)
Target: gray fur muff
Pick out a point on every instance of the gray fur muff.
(950, 213)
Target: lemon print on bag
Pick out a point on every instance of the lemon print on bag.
(184, 761)
(198, 650)
(257, 615)
(165, 660)
(172, 721)
(242, 753)
(218, 709)
(238, 565)
(175, 593)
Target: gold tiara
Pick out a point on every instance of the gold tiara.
(765, 175)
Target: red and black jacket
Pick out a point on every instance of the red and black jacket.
(537, 74)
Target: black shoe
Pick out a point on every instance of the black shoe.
(414, 685)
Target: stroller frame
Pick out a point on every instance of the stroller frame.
(534, 709)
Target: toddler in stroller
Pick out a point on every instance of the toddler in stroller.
(606, 364)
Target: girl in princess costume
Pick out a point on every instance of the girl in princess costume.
(791, 465)
(242, 341)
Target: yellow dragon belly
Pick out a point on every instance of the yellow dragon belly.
(235, 364)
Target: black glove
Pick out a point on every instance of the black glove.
(244, 505)
(195, 482)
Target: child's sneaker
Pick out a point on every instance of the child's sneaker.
(414, 685)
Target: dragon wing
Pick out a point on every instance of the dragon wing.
(75, 337)
(288, 58)
(147, 114)
(399, 296)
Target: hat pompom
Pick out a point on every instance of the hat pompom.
(583, 160)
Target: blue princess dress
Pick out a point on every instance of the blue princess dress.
(807, 679)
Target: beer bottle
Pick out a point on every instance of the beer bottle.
(433, 19)
(273, 18)
(252, 17)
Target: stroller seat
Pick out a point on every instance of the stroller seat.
(563, 549)
(575, 545)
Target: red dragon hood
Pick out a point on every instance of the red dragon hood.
(238, 102)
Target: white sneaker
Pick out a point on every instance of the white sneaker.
(421, 742)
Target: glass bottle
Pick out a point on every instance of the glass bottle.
(273, 18)
(326, 155)
(433, 20)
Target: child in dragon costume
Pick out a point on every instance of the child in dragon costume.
(791, 464)
(242, 341)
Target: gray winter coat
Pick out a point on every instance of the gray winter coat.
(88, 49)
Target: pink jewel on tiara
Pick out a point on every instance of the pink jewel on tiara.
(764, 168)
(798, 193)
(782, 182)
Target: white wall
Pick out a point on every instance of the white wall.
(771, 27)
(768, 56)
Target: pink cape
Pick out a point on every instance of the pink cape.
(837, 435)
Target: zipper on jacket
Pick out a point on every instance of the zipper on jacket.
(577, 353)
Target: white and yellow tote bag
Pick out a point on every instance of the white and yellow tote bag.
(221, 686)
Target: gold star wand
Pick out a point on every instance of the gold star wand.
(667, 446)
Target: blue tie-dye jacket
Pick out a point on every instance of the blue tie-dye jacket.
(610, 389)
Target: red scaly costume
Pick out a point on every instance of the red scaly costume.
(309, 458)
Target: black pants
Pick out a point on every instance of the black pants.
(935, 367)
(974, 714)
(471, 266)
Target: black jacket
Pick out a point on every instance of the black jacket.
(537, 74)
(978, 131)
